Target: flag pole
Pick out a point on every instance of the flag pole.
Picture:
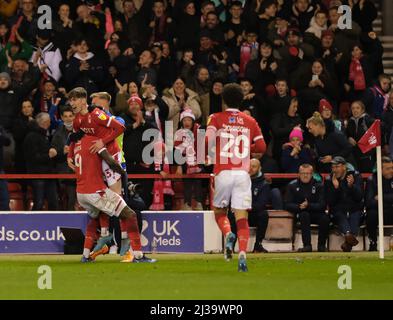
(380, 203)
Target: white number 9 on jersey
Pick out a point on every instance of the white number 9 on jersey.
(232, 145)
(78, 162)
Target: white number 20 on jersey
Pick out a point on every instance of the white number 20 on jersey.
(232, 146)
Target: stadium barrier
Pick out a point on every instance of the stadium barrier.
(162, 231)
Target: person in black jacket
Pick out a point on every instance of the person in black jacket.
(328, 144)
(4, 196)
(372, 201)
(305, 198)
(344, 196)
(358, 124)
(262, 196)
(39, 159)
(133, 145)
(282, 124)
(59, 142)
(83, 69)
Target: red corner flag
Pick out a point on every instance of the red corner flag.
(372, 137)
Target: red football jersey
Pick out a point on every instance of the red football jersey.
(89, 177)
(235, 135)
(97, 123)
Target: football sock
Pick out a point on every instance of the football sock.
(243, 234)
(91, 232)
(104, 223)
(133, 234)
(223, 223)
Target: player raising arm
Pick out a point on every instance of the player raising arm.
(233, 136)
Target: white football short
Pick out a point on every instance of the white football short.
(107, 201)
(232, 187)
(110, 176)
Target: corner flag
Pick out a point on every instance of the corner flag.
(370, 140)
(372, 137)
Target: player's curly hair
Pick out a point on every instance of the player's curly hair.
(232, 95)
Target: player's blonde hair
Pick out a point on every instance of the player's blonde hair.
(102, 95)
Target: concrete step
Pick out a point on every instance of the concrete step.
(387, 55)
(388, 45)
(387, 63)
(386, 38)
(389, 71)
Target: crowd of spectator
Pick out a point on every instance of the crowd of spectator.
(313, 86)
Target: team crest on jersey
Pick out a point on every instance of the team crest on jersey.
(102, 117)
(232, 120)
(240, 120)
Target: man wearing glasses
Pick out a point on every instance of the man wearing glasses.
(305, 199)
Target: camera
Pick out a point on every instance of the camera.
(134, 188)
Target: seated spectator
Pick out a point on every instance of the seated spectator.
(294, 154)
(372, 198)
(63, 28)
(364, 13)
(84, 69)
(302, 13)
(363, 67)
(40, 154)
(27, 19)
(358, 124)
(146, 73)
(280, 101)
(282, 125)
(328, 144)
(165, 66)
(326, 111)
(47, 56)
(387, 125)
(89, 26)
(161, 24)
(306, 200)
(264, 196)
(133, 145)
(179, 98)
(376, 98)
(14, 50)
(234, 28)
(214, 29)
(263, 72)
(125, 92)
(344, 197)
(212, 102)
(59, 143)
(186, 157)
(318, 24)
(199, 82)
(255, 106)
(187, 23)
(119, 65)
(315, 84)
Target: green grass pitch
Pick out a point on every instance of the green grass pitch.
(184, 277)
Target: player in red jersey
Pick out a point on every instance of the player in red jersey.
(233, 136)
(105, 129)
(96, 197)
